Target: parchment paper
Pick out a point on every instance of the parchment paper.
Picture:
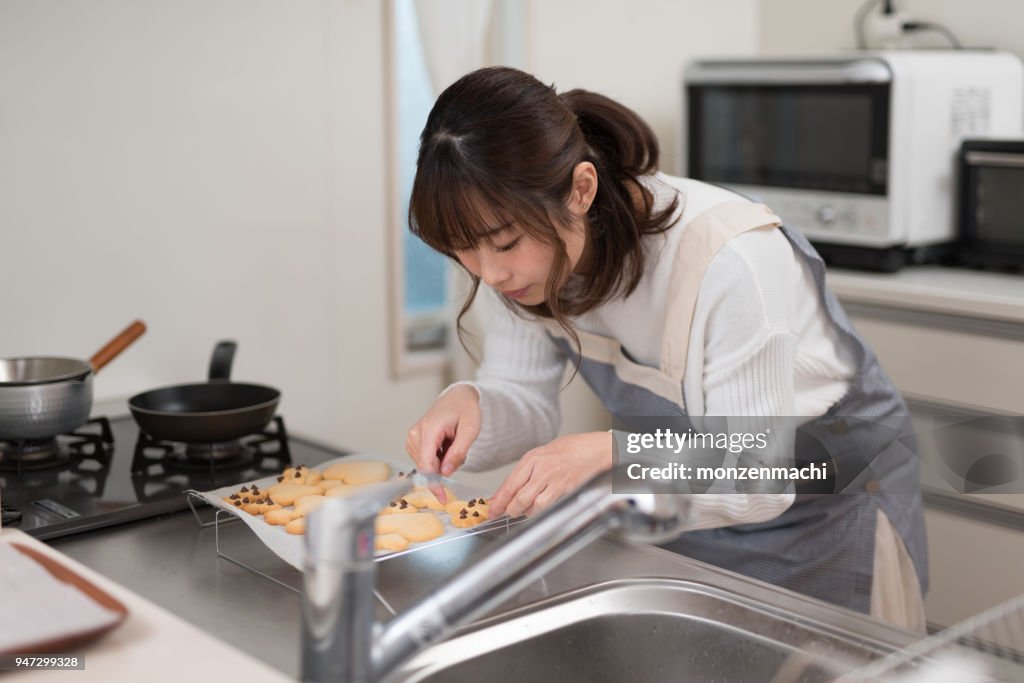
(290, 547)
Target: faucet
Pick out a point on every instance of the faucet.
(341, 641)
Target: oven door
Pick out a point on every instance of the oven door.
(810, 139)
(825, 138)
(992, 203)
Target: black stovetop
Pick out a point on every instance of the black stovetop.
(102, 489)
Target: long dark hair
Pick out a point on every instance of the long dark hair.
(498, 140)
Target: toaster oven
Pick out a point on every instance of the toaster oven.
(991, 206)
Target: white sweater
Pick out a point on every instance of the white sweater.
(761, 344)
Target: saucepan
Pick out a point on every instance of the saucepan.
(210, 412)
(43, 396)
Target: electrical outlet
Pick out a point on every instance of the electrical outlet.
(885, 31)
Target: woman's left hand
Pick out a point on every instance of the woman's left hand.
(547, 473)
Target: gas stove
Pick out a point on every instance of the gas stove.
(109, 472)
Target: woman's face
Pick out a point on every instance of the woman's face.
(517, 265)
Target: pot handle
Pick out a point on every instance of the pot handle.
(220, 362)
(116, 345)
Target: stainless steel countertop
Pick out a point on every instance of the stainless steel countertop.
(172, 561)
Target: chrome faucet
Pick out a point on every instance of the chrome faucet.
(342, 642)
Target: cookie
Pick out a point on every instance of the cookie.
(247, 495)
(396, 506)
(280, 517)
(297, 526)
(413, 525)
(307, 504)
(339, 489)
(426, 499)
(455, 506)
(393, 542)
(466, 519)
(300, 475)
(355, 473)
(258, 507)
(285, 494)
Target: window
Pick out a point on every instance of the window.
(422, 306)
(425, 299)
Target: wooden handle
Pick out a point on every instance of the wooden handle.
(116, 345)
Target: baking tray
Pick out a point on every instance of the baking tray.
(290, 548)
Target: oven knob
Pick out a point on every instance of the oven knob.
(826, 216)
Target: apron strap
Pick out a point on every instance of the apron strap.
(701, 241)
(608, 351)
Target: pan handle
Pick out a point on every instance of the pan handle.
(116, 345)
(220, 362)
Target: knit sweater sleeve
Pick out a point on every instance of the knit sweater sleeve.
(518, 382)
(744, 367)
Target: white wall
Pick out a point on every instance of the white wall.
(636, 51)
(812, 25)
(217, 169)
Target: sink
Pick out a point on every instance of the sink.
(645, 630)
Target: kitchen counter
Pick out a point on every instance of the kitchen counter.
(149, 643)
(173, 562)
(951, 291)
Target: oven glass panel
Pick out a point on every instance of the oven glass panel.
(827, 138)
(998, 206)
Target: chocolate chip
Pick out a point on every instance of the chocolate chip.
(393, 504)
(246, 499)
(482, 501)
(462, 513)
(281, 478)
(297, 474)
(245, 489)
(233, 496)
(472, 503)
(476, 514)
(238, 503)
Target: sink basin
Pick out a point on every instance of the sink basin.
(644, 630)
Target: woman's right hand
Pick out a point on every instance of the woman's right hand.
(454, 417)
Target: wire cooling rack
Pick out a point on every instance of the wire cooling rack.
(223, 518)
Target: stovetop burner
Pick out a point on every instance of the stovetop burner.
(93, 486)
(42, 453)
(92, 441)
(229, 453)
(249, 451)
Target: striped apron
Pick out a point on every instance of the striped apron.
(862, 547)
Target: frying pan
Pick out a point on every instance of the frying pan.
(209, 412)
(43, 396)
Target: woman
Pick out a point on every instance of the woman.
(671, 298)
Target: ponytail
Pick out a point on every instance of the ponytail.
(623, 148)
(620, 139)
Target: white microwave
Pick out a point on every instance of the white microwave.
(857, 150)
